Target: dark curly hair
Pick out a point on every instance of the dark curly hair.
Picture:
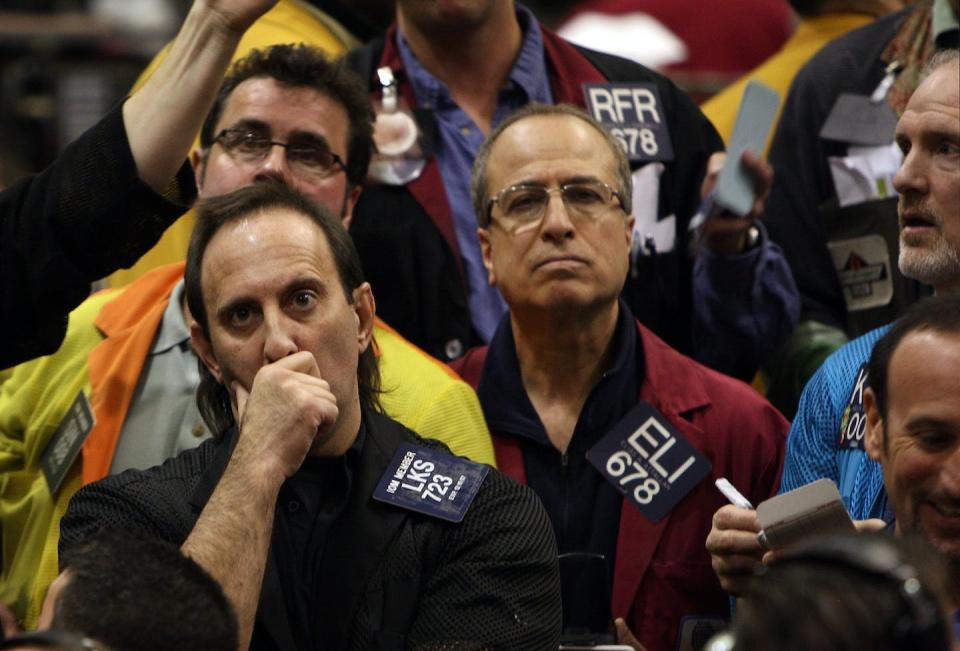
(303, 65)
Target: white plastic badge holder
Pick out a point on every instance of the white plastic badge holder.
(812, 510)
(861, 120)
(399, 158)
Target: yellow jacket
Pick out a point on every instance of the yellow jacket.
(107, 343)
(290, 21)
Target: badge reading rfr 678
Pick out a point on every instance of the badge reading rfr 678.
(649, 461)
(430, 482)
(633, 114)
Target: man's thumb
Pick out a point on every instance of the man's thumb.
(625, 635)
(241, 396)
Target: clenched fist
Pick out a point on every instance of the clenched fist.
(288, 407)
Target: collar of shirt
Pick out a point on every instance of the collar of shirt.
(528, 74)
(945, 24)
(345, 463)
(507, 407)
(173, 329)
(322, 484)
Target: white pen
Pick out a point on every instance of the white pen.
(732, 494)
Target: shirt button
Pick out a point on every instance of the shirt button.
(198, 430)
(453, 349)
(465, 131)
(293, 506)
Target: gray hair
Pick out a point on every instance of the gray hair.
(939, 59)
(478, 179)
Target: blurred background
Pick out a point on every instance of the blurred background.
(64, 63)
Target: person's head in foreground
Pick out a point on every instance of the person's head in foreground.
(846, 593)
(124, 592)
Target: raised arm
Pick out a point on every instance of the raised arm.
(745, 301)
(111, 193)
(162, 118)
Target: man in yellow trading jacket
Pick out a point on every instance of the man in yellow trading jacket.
(128, 350)
(289, 21)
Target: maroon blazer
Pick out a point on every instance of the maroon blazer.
(662, 571)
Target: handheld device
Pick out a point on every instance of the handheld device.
(811, 510)
(758, 108)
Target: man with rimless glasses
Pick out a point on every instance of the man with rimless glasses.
(571, 382)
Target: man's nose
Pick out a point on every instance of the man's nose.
(950, 473)
(274, 164)
(912, 175)
(556, 219)
(279, 341)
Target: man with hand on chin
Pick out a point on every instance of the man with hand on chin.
(327, 523)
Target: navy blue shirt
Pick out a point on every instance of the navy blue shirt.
(583, 507)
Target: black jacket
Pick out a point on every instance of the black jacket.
(396, 579)
(802, 213)
(82, 218)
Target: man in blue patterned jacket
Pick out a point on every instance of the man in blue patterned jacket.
(827, 436)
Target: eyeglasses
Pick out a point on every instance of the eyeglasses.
(523, 206)
(307, 157)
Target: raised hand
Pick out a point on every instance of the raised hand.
(238, 15)
(728, 233)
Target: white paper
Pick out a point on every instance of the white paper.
(865, 173)
(646, 202)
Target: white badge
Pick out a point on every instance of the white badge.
(863, 267)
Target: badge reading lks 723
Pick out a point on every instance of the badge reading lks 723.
(430, 482)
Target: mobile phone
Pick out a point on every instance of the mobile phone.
(751, 130)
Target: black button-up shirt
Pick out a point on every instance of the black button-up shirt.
(307, 506)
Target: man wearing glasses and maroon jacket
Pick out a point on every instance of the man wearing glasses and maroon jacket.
(620, 435)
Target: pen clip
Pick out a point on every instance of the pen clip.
(889, 76)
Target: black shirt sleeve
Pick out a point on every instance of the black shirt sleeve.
(85, 216)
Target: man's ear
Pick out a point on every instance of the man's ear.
(349, 203)
(48, 611)
(484, 236)
(201, 345)
(198, 160)
(365, 308)
(628, 224)
(873, 438)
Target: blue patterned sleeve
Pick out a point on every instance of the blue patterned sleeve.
(811, 449)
